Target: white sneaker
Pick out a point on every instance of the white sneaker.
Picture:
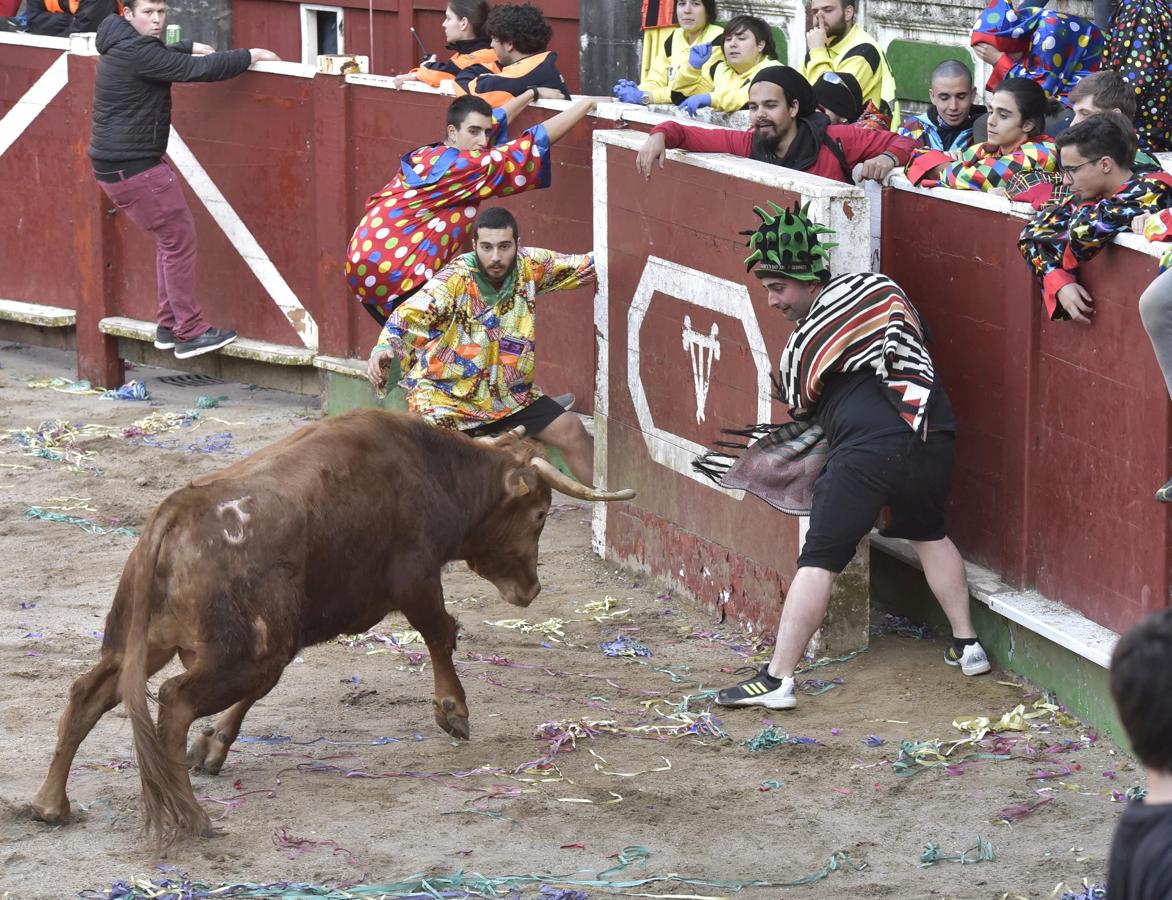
(760, 690)
(974, 660)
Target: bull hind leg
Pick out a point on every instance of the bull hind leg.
(92, 696)
(427, 615)
(210, 749)
(210, 686)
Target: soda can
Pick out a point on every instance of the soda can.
(171, 34)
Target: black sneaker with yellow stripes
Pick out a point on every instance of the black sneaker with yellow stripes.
(762, 689)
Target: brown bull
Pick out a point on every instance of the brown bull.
(322, 533)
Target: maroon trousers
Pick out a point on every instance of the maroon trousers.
(154, 201)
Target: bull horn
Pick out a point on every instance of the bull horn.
(559, 480)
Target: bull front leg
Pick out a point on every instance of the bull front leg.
(425, 611)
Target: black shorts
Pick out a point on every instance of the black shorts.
(536, 417)
(901, 471)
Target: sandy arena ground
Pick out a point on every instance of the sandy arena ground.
(341, 775)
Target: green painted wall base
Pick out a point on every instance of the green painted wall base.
(345, 392)
(1079, 684)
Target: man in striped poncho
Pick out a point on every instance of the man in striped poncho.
(856, 369)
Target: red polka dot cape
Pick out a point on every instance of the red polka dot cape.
(418, 222)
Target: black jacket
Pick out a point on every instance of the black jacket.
(89, 14)
(132, 95)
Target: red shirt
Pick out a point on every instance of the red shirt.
(858, 145)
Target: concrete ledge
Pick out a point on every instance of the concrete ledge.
(37, 314)
(1046, 618)
(241, 348)
(245, 361)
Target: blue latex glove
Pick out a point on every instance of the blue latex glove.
(620, 83)
(692, 104)
(628, 92)
(699, 55)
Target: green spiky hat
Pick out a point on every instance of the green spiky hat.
(787, 244)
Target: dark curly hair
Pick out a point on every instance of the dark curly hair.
(522, 25)
(1141, 680)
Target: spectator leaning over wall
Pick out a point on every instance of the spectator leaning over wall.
(61, 18)
(420, 219)
(472, 53)
(131, 125)
(519, 36)
(1155, 306)
(1139, 46)
(841, 100)
(787, 130)
(1140, 864)
(1096, 158)
(719, 77)
(697, 27)
(1018, 160)
(1107, 91)
(837, 44)
(1052, 48)
(947, 125)
(872, 428)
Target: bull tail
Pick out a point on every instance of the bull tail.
(170, 810)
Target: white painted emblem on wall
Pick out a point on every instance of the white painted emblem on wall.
(727, 298)
(703, 349)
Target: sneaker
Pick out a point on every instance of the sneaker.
(973, 661)
(211, 340)
(761, 689)
(1164, 494)
(565, 401)
(164, 338)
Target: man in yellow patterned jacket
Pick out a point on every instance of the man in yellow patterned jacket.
(468, 340)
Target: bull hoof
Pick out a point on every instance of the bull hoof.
(207, 753)
(450, 718)
(51, 813)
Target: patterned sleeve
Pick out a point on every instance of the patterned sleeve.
(420, 320)
(560, 271)
(516, 166)
(1043, 244)
(1093, 227)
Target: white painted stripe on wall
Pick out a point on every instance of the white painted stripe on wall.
(602, 334)
(246, 245)
(35, 99)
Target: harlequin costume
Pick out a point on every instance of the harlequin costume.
(1064, 236)
(1139, 47)
(1056, 49)
(468, 347)
(418, 222)
(985, 167)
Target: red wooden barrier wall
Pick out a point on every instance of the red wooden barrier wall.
(1064, 430)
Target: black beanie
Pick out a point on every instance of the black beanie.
(840, 93)
(795, 86)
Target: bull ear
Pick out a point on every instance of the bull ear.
(516, 483)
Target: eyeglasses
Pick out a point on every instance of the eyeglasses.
(832, 78)
(1070, 170)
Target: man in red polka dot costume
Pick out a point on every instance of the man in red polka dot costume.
(419, 221)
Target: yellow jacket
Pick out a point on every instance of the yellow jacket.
(857, 53)
(668, 58)
(728, 88)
